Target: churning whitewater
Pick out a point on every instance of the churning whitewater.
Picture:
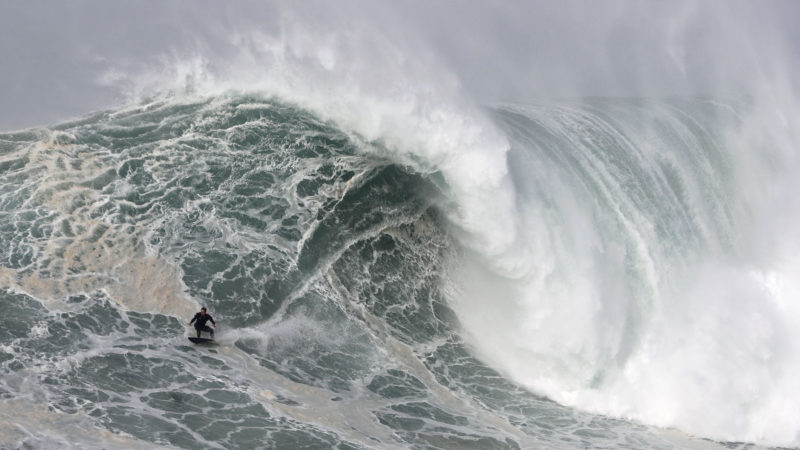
(613, 273)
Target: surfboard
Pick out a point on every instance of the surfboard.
(198, 340)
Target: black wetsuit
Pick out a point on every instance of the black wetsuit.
(200, 324)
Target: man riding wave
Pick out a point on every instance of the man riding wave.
(200, 320)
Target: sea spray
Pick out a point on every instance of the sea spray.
(646, 301)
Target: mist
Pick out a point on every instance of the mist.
(63, 60)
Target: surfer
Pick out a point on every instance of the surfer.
(200, 320)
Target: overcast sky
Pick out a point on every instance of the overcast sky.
(64, 59)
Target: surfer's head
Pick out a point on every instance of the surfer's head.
(203, 310)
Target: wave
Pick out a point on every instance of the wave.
(447, 283)
(656, 288)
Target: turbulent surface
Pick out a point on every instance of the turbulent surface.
(328, 268)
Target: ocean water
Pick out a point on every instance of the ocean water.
(619, 274)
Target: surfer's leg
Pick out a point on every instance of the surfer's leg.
(198, 332)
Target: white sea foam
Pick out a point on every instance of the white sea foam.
(88, 251)
(693, 329)
(619, 324)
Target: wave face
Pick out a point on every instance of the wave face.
(356, 311)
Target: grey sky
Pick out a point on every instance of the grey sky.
(55, 55)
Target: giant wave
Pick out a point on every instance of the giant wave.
(595, 270)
